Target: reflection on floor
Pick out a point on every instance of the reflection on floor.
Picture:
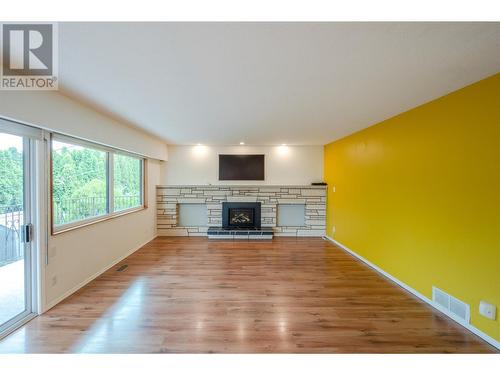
(192, 295)
(11, 290)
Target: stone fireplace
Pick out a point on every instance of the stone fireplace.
(285, 210)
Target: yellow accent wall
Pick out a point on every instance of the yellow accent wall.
(419, 196)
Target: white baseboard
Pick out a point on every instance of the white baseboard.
(54, 302)
(490, 340)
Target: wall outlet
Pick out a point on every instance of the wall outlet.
(487, 310)
(334, 189)
(334, 229)
(53, 280)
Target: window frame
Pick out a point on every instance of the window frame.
(110, 211)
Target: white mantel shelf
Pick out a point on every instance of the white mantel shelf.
(312, 197)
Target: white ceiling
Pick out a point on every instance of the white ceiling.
(269, 83)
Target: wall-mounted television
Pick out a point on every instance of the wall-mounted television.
(241, 167)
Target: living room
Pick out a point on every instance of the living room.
(249, 188)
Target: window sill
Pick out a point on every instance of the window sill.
(99, 219)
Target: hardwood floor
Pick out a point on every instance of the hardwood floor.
(191, 295)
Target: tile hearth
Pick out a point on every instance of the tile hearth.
(239, 234)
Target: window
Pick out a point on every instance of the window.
(79, 178)
(127, 182)
(92, 182)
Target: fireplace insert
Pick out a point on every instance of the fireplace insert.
(241, 215)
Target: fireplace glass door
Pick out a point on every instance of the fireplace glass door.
(241, 217)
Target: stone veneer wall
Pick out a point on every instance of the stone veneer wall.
(168, 197)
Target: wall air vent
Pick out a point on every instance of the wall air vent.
(450, 305)
(441, 298)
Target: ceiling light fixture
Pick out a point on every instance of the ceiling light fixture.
(200, 150)
(242, 143)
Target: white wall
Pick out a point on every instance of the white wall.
(53, 111)
(77, 256)
(198, 165)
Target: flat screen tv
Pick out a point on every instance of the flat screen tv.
(241, 167)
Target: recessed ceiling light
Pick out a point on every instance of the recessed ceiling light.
(242, 143)
(283, 149)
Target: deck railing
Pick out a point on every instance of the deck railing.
(11, 218)
(69, 210)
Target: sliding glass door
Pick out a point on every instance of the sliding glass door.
(16, 270)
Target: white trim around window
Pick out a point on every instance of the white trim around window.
(111, 212)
